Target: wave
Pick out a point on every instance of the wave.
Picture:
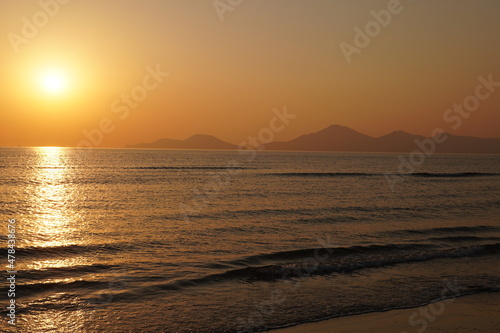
(59, 272)
(447, 230)
(330, 252)
(464, 239)
(266, 267)
(352, 213)
(457, 174)
(96, 167)
(34, 288)
(64, 250)
(322, 174)
(188, 168)
(364, 174)
(321, 261)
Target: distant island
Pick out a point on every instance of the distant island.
(198, 141)
(338, 138)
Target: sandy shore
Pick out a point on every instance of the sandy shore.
(476, 313)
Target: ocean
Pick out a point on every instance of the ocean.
(124, 240)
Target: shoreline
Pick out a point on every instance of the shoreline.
(471, 313)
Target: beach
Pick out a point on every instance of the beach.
(475, 313)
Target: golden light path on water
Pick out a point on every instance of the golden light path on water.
(51, 197)
(53, 224)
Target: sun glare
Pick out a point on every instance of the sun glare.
(53, 82)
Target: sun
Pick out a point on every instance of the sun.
(54, 82)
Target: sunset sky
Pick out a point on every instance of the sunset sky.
(225, 76)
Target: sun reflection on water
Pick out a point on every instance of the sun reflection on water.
(53, 222)
(51, 197)
(52, 229)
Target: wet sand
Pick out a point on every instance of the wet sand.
(475, 313)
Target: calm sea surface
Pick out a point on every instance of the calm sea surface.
(199, 241)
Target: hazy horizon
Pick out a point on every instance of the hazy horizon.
(236, 143)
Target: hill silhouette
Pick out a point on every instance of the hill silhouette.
(343, 139)
(198, 141)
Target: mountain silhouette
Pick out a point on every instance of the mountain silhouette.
(344, 139)
(469, 145)
(332, 138)
(397, 141)
(198, 141)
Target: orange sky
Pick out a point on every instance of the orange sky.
(226, 76)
